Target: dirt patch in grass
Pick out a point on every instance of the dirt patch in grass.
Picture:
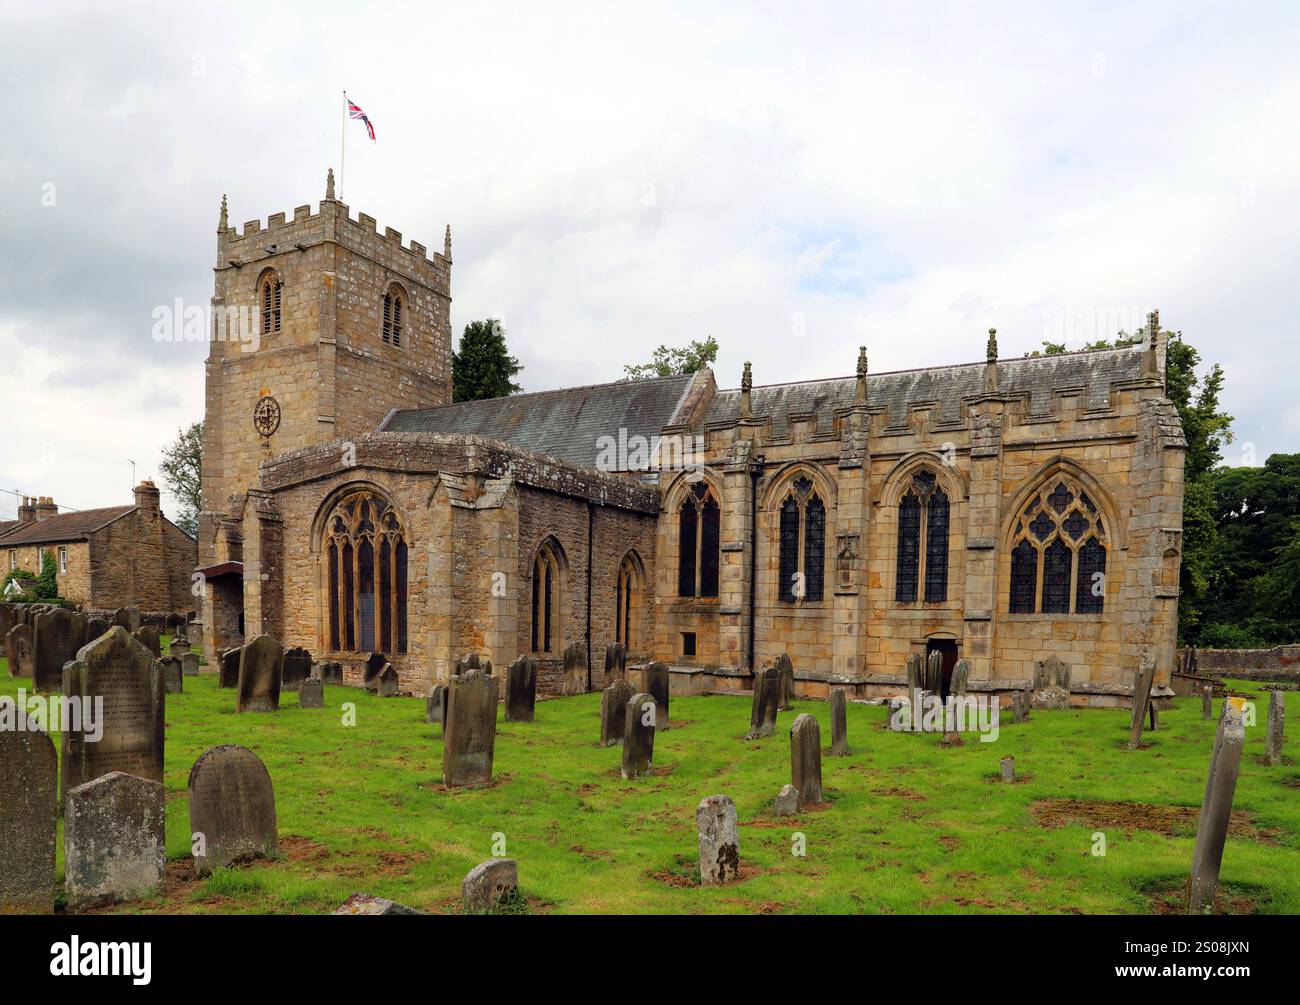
(1171, 821)
(300, 849)
(590, 854)
(1292, 782)
(1170, 898)
(435, 785)
(684, 873)
(172, 897)
(902, 793)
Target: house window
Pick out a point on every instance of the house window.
(365, 551)
(802, 543)
(63, 561)
(13, 559)
(1058, 553)
(40, 559)
(627, 595)
(688, 643)
(394, 306)
(698, 543)
(922, 541)
(269, 296)
(546, 636)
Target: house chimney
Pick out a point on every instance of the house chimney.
(45, 508)
(27, 511)
(146, 497)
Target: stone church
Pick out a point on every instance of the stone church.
(1001, 511)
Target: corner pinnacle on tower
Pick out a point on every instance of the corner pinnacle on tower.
(860, 393)
(446, 244)
(223, 223)
(329, 184)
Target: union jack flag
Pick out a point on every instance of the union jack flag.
(355, 112)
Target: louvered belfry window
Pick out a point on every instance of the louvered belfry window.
(271, 294)
(801, 544)
(394, 304)
(922, 541)
(1058, 553)
(365, 550)
(699, 539)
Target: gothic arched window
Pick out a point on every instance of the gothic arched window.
(627, 596)
(366, 550)
(394, 306)
(1058, 553)
(698, 542)
(269, 295)
(801, 544)
(546, 635)
(922, 540)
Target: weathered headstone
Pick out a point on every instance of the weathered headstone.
(148, 637)
(1207, 702)
(260, 667)
(178, 646)
(190, 664)
(194, 632)
(839, 723)
(574, 677)
(311, 693)
(172, 674)
(175, 623)
(1216, 808)
(767, 699)
(470, 661)
(615, 661)
(719, 840)
(228, 672)
(787, 801)
(435, 705)
(785, 671)
(232, 808)
(375, 664)
(297, 668)
(470, 729)
(639, 736)
(490, 886)
(28, 814)
(127, 617)
(1276, 727)
(365, 904)
(1153, 715)
(915, 674)
(613, 712)
(521, 689)
(331, 672)
(934, 672)
(1141, 698)
(121, 676)
(18, 646)
(114, 845)
(960, 679)
(1019, 706)
(56, 637)
(806, 759)
(95, 627)
(1051, 683)
(8, 618)
(657, 683)
(1007, 767)
(387, 683)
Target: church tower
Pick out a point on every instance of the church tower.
(321, 325)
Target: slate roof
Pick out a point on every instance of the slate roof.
(7, 525)
(64, 527)
(566, 423)
(1094, 372)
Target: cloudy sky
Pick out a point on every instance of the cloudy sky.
(792, 179)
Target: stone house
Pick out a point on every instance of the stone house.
(110, 557)
(1000, 511)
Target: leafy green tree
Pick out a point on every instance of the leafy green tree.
(670, 361)
(182, 473)
(482, 367)
(47, 583)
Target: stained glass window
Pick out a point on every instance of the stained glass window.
(814, 548)
(688, 526)
(909, 548)
(1068, 529)
(789, 562)
(365, 551)
(709, 543)
(1024, 577)
(1056, 578)
(936, 548)
(1090, 590)
(923, 515)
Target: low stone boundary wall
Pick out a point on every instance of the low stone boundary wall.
(1280, 663)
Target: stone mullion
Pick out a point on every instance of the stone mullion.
(735, 613)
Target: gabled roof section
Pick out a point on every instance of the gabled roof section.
(64, 527)
(567, 424)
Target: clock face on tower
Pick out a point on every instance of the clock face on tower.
(266, 415)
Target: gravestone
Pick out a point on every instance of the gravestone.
(56, 637)
(435, 705)
(297, 668)
(127, 617)
(490, 886)
(260, 666)
(934, 672)
(839, 723)
(470, 661)
(311, 693)
(232, 808)
(190, 664)
(367, 905)
(29, 805)
(375, 664)
(194, 632)
(613, 712)
(719, 840)
(172, 673)
(95, 627)
(787, 801)
(1276, 727)
(114, 845)
(178, 646)
(331, 672)
(174, 623)
(574, 677)
(1007, 767)
(656, 679)
(915, 677)
(8, 618)
(1051, 683)
(1207, 702)
(387, 682)
(615, 661)
(1141, 699)
(960, 679)
(1216, 807)
(638, 736)
(470, 729)
(228, 673)
(121, 676)
(767, 699)
(148, 637)
(806, 759)
(521, 689)
(1019, 706)
(785, 671)
(18, 646)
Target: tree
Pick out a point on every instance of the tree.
(482, 366)
(182, 471)
(47, 583)
(669, 361)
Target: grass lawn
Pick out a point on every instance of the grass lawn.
(910, 826)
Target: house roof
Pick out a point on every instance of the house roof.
(73, 526)
(567, 423)
(7, 525)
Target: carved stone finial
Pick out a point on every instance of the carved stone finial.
(1153, 326)
(224, 222)
(862, 361)
(860, 394)
(991, 350)
(746, 386)
(446, 243)
(329, 184)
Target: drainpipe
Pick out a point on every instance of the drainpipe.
(591, 522)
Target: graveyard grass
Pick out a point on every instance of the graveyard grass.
(909, 826)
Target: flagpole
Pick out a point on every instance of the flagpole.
(343, 153)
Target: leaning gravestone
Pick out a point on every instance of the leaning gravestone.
(173, 679)
(787, 801)
(228, 672)
(785, 670)
(95, 627)
(656, 679)
(311, 693)
(297, 668)
(521, 689)
(639, 736)
(435, 705)
(387, 682)
(114, 845)
(56, 637)
(190, 664)
(148, 637)
(375, 664)
(29, 804)
(719, 840)
(260, 666)
(232, 808)
(613, 711)
(114, 671)
(767, 698)
(574, 678)
(18, 645)
(1216, 808)
(839, 723)
(470, 729)
(960, 679)
(806, 759)
(1141, 699)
